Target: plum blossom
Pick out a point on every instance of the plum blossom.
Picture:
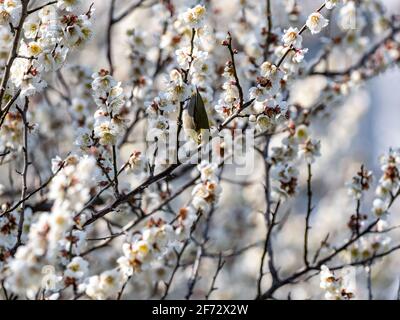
(316, 22)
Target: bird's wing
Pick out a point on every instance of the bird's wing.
(200, 113)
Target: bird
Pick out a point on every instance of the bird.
(195, 118)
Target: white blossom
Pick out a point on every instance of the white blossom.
(316, 22)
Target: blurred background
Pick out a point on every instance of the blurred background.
(385, 100)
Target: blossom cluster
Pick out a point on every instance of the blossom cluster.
(51, 240)
(386, 191)
(108, 96)
(48, 36)
(298, 145)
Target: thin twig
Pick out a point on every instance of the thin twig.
(232, 53)
(127, 12)
(109, 36)
(7, 107)
(116, 173)
(153, 179)
(361, 62)
(176, 267)
(13, 54)
(269, 31)
(268, 249)
(195, 272)
(41, 7)
(123, 288)
(24, 174)
(179, 255)
(44, 185)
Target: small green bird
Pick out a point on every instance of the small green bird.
(195, 119)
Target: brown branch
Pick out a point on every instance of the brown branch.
(130, 195)
(234, 253)
(296, 275)
(269, 31)
(232, 53)
(268, 294)
(268, 249)
(4, 112)
(44, 185)
(177, 265)
(130, 128)
(111, 22)
(96, 197)
(109, 35)
(363, 60)
(179, 122)
(179, 255)
(24, 173)
(41, 7)
(116, 173)
(220, 266)
(123, 288)
(153, 179)
(195, 271)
